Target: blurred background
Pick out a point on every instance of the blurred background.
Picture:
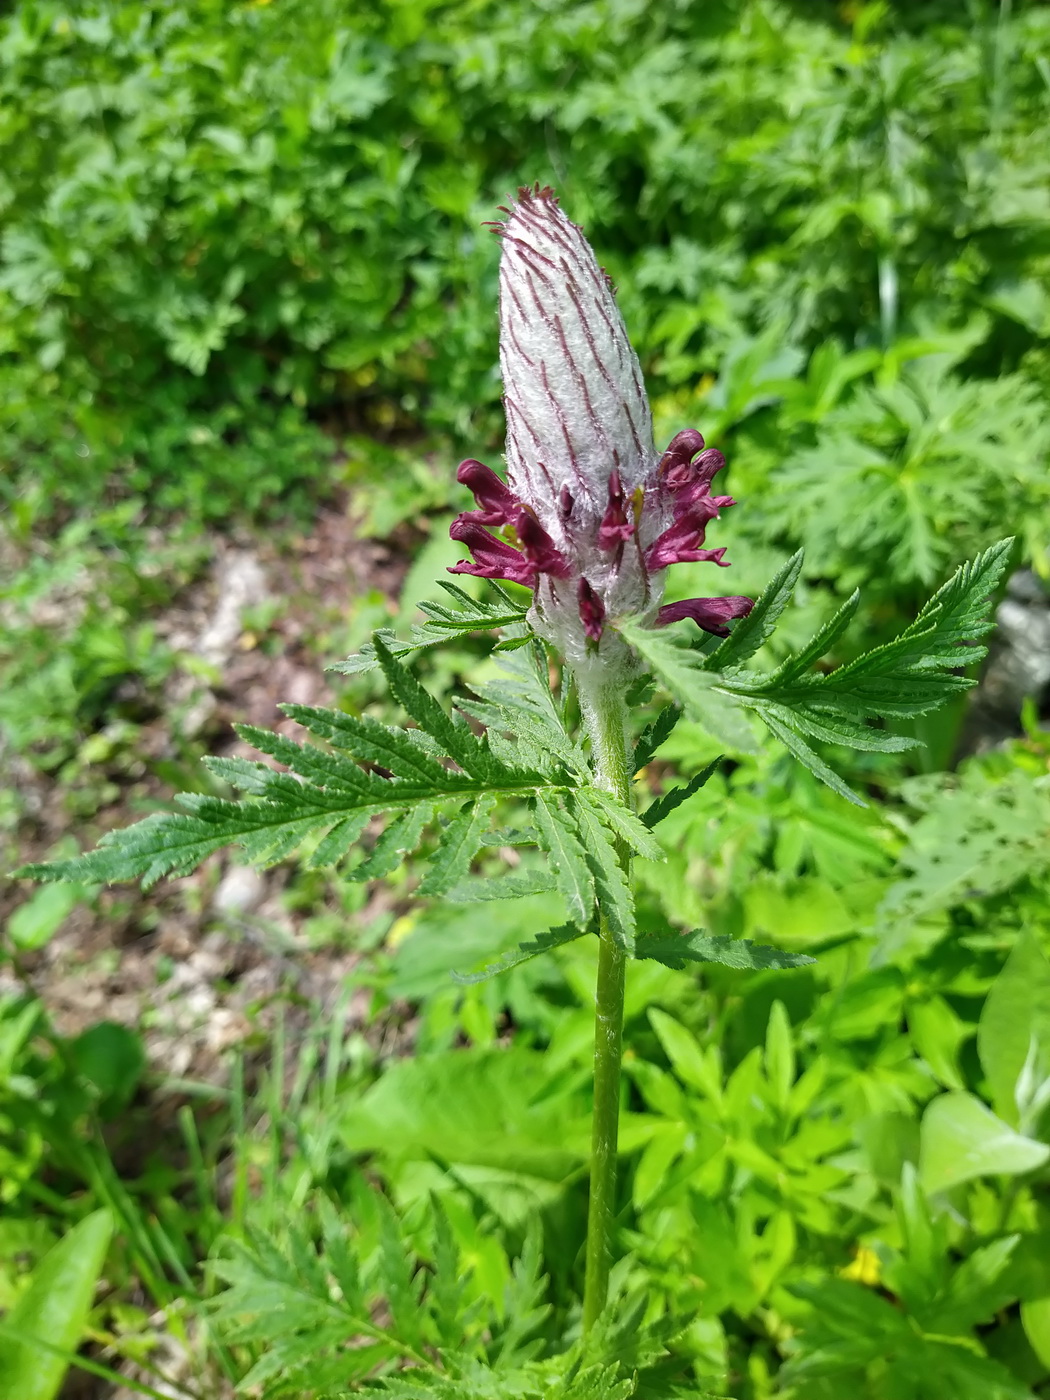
(247, 330)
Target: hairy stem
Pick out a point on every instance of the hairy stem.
(605, 715)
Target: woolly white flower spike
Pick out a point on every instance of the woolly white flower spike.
(573, 389)
(591, 513)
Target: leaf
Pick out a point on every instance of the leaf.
(673, 798)
(456, 740)
(542, 943)
(961, 1139)
(34, 923)
(325, 794)
(459, 844)
(111, 1057)
(615, 898)
(681, 671)
(397, 838)
(750, 632)
(911, 675)
(907, 677)
(480, 890)
(1035, 1318)
(336, 844)
(558, 831)
(796, 745)
(655, 734)
(1015, 1025)
(443, 622)
(622, 822)
(520, 701)
(678, 949)
(55, 1308)
(978, 834)
(819, 644)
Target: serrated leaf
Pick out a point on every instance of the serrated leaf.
(322, 790)
(681, 671)
(365, 739)
(819, 644)
(667, 802)
(615, 897)
(796, 745)
(457, 741)
(677, 950)
(558, 832)
(398, 839)
(480, 890)
(750, 632)
(458, 846)
(332, 847)
(622, 822)
(443, 622)
(542, 943)
(520, 701)
(655, 734)
(511, 836)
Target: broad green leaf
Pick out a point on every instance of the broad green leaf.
(961, 1139)
(1014, 1029)
(681, 1047)
(1035, 1318)
(780, 1054)
(55, 1308)
(937, 1032)
(34, 923)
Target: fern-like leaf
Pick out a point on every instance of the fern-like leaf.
(326, 795)
(465, 615)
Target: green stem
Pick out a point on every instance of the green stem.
(605, 715)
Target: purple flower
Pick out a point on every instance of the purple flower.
(711, 614)
(591, 512)
(592, 610)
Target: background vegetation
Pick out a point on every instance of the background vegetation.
(247, 327)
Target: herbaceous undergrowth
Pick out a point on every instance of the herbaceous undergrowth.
(589, 518)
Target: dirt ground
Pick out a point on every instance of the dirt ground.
(195, 962)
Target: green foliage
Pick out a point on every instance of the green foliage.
(240, 245)
(909, 676)
(841, 215)
(280, 1305)
(443, 622)
(49, 1318)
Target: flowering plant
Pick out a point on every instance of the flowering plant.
(589, 517)
(593, 512)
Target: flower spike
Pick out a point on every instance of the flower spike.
(581, 461)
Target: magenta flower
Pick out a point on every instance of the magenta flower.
(590, 513)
